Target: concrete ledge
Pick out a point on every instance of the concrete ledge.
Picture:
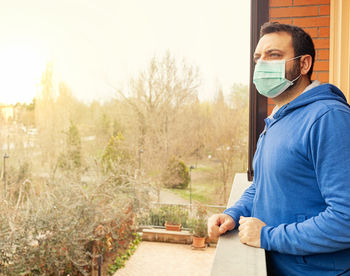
(162, 235)
(231, 256)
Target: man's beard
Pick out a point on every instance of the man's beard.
(291, 75)
(294, 72)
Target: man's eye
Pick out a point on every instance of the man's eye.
(275, 55)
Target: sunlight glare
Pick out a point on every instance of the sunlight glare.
(21, 68)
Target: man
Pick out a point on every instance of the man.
(298, 206)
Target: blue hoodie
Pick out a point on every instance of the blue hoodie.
(301, 186)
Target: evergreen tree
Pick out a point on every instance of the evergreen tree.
(71, 158)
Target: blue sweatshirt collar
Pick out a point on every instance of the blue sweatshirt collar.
(321, 92)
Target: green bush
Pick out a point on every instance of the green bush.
(172, 213)
(115, 154)
(198, 223)
(175, 214)
(156, 217)
(176, 174)
(71, 157)
(57, 227)
(120, 260)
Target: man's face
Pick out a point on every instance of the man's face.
(277, 46)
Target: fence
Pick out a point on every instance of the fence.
(156, 215)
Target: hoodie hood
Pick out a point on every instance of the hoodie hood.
(318, 93)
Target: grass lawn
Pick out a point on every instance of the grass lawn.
(206, 187)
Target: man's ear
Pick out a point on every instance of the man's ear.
(305, 64)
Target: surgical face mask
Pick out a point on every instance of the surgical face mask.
(269, 77)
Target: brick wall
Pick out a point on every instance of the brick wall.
(313, 17)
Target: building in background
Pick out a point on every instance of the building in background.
(328, 23)
(7, 112)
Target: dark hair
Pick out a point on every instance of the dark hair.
(301, 41)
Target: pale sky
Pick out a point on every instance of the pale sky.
(93, 42)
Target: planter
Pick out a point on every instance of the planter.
(172, 227)
(198, 242)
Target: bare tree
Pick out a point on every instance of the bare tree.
(227, 138)
(158, 96)
(46, 120)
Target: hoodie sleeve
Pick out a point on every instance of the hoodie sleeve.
(243, 206)
(329, 231)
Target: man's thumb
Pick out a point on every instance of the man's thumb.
(223, 227)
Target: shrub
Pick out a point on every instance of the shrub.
(57, 228)
(115, 153)
(198, 223)
(120, 260)
(199, 227)
(158, 216)
(176, 174)
(71, 157)
(174, 214)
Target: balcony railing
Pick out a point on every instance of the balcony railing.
(231, 256)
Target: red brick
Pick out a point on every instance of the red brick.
(313, 32)
(312, 22)
(323, 76)
(323, 54)
(294, 12)
(281, 3)
(321, 66)
(310, 2)
(324, 32)
(324, 10)
(313, 76)
(321, 43)
(283, 21)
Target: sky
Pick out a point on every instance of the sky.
(96, 46)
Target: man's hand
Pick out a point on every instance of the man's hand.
(249, 230)
(219, 224)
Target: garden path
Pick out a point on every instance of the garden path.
(159, 259)
(169, 197)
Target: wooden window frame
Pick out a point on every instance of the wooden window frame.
(257, 104)
(339, 61)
